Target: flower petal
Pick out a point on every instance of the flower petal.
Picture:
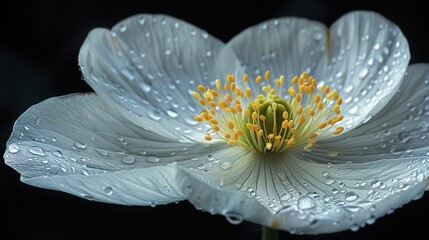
(363, 55)
(151, 64)
(82, 146)
(399, 131)
(301, 196)
(369, 56)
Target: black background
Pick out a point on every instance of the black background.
(39, 45)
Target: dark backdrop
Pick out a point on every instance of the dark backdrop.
(39, 45)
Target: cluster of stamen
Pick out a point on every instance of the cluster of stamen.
(270, 122)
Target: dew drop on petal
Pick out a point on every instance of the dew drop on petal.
(36, 150)
(285, 196)
(233, 218)
(108, 190)
(57, 154)
(80, 145)
(102, 152)
(128, 159)
(171, 113)
(306, 202)
(153, 159)
(155, 115)
(13, 148)
(350, 196)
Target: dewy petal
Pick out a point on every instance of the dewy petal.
(363, 55)
(299, 196)
(400, 131)
(80, 145)
(151, 64)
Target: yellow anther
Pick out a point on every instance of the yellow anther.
(284, 124)
(272, 91)
(285, 115)
(233, 110)
(336, 109)
(212, 112)
(304, 75)
(313, 135)
(311, 112)
(268, 145)
(238, 106)
(258, 79)
(201, 88)
(300, 109)
(233, 86)
(294, 80)
(227, 135)
(338, 130)
(228, 97)
(282, 79)
(202, 101)
(322, 125)
(226, 87)
(339, 101)
(255, 127)
(196, 95)
(317, 98)
(267, 75)
(247, 112)
(232, 142)
(290, 124)
(319, 106)
(223, 104)
(327, 89)
(291, 91)
(339, 118)
(248, 93)
(262, 117)
(245, 78)
(218, 85)
(301, 119)
(230, 78)
(270, 136)
(254, 116)
(213, 104)
(293, 130)
(216, 128)
(214, 122)
(260, 133)
(198, 118)
(290, 142)
(207, 138)
(274, 106)
(230, 124)
(215, 93)
(249, 126)
(265, 89)
(298, 97)
(278, 83)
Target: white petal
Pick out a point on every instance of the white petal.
(80, 145)
(151, 64)
(301, 196)
(399, 131)
(285, 46)
(369, 56)
(363, 55)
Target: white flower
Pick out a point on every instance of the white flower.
(139, 141)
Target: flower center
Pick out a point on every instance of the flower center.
(270, 122)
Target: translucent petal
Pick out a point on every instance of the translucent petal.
(363, 55)
(303, 197)
(399, 131)
(80, 145)
(151, 64)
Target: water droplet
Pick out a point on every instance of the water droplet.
(354, 228)
(142, 20)
(208, 53)
(80, 145)
(234, 218)
(167, 52)
(353, 110)
(85, 172)
(153, 159)
(155, 115)
(57, 154)
(349, 88)
(128, 159)
(102, 152)
(36, 150)
(171, 113)
(176, 25)
(285, 196)
(370, 220)
(225, 165)
(333, 152)
(108, 190)
(376, 183)
(306, 202)
(122, 27)
(350, 196)
(329, 180)
(363, 72)
(146, 86)
(13, 148)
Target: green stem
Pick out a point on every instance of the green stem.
(269, 233)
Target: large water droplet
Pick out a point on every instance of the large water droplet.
(350, 196)
(108, 190)
(155, 115)
(329, 180)
(80, 145)
(234, 218)
(306, 202)
(128, 159)
(153, 159)
(13, 148)
(57, 154)
(36, 150)
(171, 113)
(102, 152)
(353, 110)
